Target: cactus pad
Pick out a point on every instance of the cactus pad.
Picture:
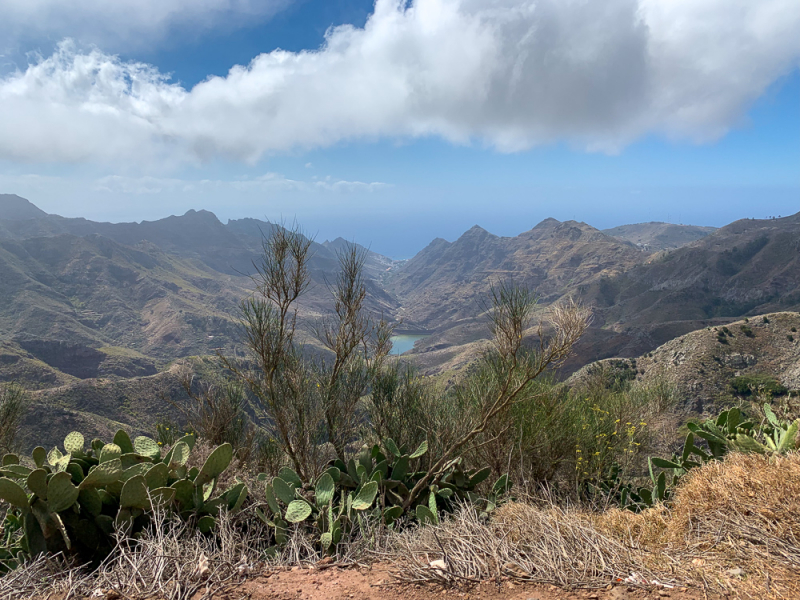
(17, 471)
(133, 471)
(10, 459)
(283, 490)
(75, 472)
(61, 494)
(73, 443)
(124, 520)
(184, 493)
(326, 539)
(39, 456)
(424, 515)
(324, 490)
(215, 464)
(206, 524)
(272, 501)
(103, 474)
(54, 456)
(62, 463)
(162, 496)
(11, 492)
(90, 501)
(123, 440)
(366, 496)
(110, 452)
(134, 493)
(37, 483)
(423, 448)
(179, 454)
(290, 477)
(147, 447)
(156, 476)
(392, 447)
(298, 510)
(235, 497)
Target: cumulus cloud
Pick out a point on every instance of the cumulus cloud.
(124, 24)
(511, 74)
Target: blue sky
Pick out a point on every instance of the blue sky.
(415, 121)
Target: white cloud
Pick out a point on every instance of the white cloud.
(511, 74)
(124, 24)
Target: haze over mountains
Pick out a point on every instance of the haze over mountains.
(88, 306)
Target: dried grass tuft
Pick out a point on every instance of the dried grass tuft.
(742, 513)
(170, 561)
(734, 528)
(553, 545)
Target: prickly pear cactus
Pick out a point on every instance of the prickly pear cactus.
(75, 499)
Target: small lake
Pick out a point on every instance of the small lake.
(404, 343)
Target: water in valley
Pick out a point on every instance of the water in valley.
(404, 343)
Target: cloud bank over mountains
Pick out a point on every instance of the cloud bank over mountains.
(507, 74)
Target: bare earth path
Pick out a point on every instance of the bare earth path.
(377, 584)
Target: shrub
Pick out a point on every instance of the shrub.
(316, 410)
(747, 331)
(13, 404)
(564, 437)
(760, 384)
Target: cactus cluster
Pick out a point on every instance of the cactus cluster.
(74, 501)
(376, 483)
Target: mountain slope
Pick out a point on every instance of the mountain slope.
(702, 364)
(450, 281)
(748, 267)
(655, 236)
(93, 292)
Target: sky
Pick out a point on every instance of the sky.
(395, 122)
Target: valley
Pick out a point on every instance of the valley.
(97, 320)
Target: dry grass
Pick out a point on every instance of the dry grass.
(734, 530)
(173, 561)
(170, 561)
(742, 513)
(553, 545)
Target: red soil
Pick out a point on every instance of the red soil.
(377, 583)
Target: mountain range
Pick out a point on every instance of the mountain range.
(88, 306)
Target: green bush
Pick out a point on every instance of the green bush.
(73, 502)
(13, 403)
(747, 331)
(759, 384)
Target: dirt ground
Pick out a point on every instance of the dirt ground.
(377, 583)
